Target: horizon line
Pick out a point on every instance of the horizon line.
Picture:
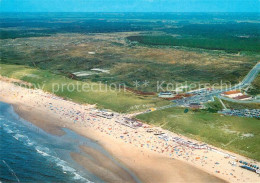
(127, 12)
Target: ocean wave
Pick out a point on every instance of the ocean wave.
(8, 130)
(23, 138)
(66, 168)
(41, 152)
(78, 177)
(44, 151)
(20, 137)
(12, 127)
(61, 163)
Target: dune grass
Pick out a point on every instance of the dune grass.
(226, 132)
(233, 105)
(94, 93)
(255, 88)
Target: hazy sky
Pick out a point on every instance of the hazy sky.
(129, 5)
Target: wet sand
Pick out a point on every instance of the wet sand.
(102, 166)
(149, 166)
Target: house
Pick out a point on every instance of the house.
(232, 94)
(166, 95)
(107, 115)
(243, 97)
(195, 106)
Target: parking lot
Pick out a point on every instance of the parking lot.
(253, 113)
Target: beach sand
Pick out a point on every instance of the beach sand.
(102, 166)
(149, 164)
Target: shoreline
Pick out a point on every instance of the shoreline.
(148, 166)
(128, 160)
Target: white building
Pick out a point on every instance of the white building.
(232, 94)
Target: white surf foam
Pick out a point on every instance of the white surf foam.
(61, 163)
(20, 137)
(41, 152)
(44, 151)
(8, 130)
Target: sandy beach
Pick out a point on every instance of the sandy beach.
(152, 159)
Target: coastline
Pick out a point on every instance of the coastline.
(140, 162)
(148, 166)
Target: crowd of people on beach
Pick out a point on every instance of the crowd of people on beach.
(138, 134)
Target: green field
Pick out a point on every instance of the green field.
(116, 100)
(226, 132)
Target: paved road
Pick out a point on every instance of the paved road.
(250, 77)
(222, 104)
(209, 95)
(239, 101)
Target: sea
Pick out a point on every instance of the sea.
(29, 154)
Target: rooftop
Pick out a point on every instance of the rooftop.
(231, 92)
(242, 97)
